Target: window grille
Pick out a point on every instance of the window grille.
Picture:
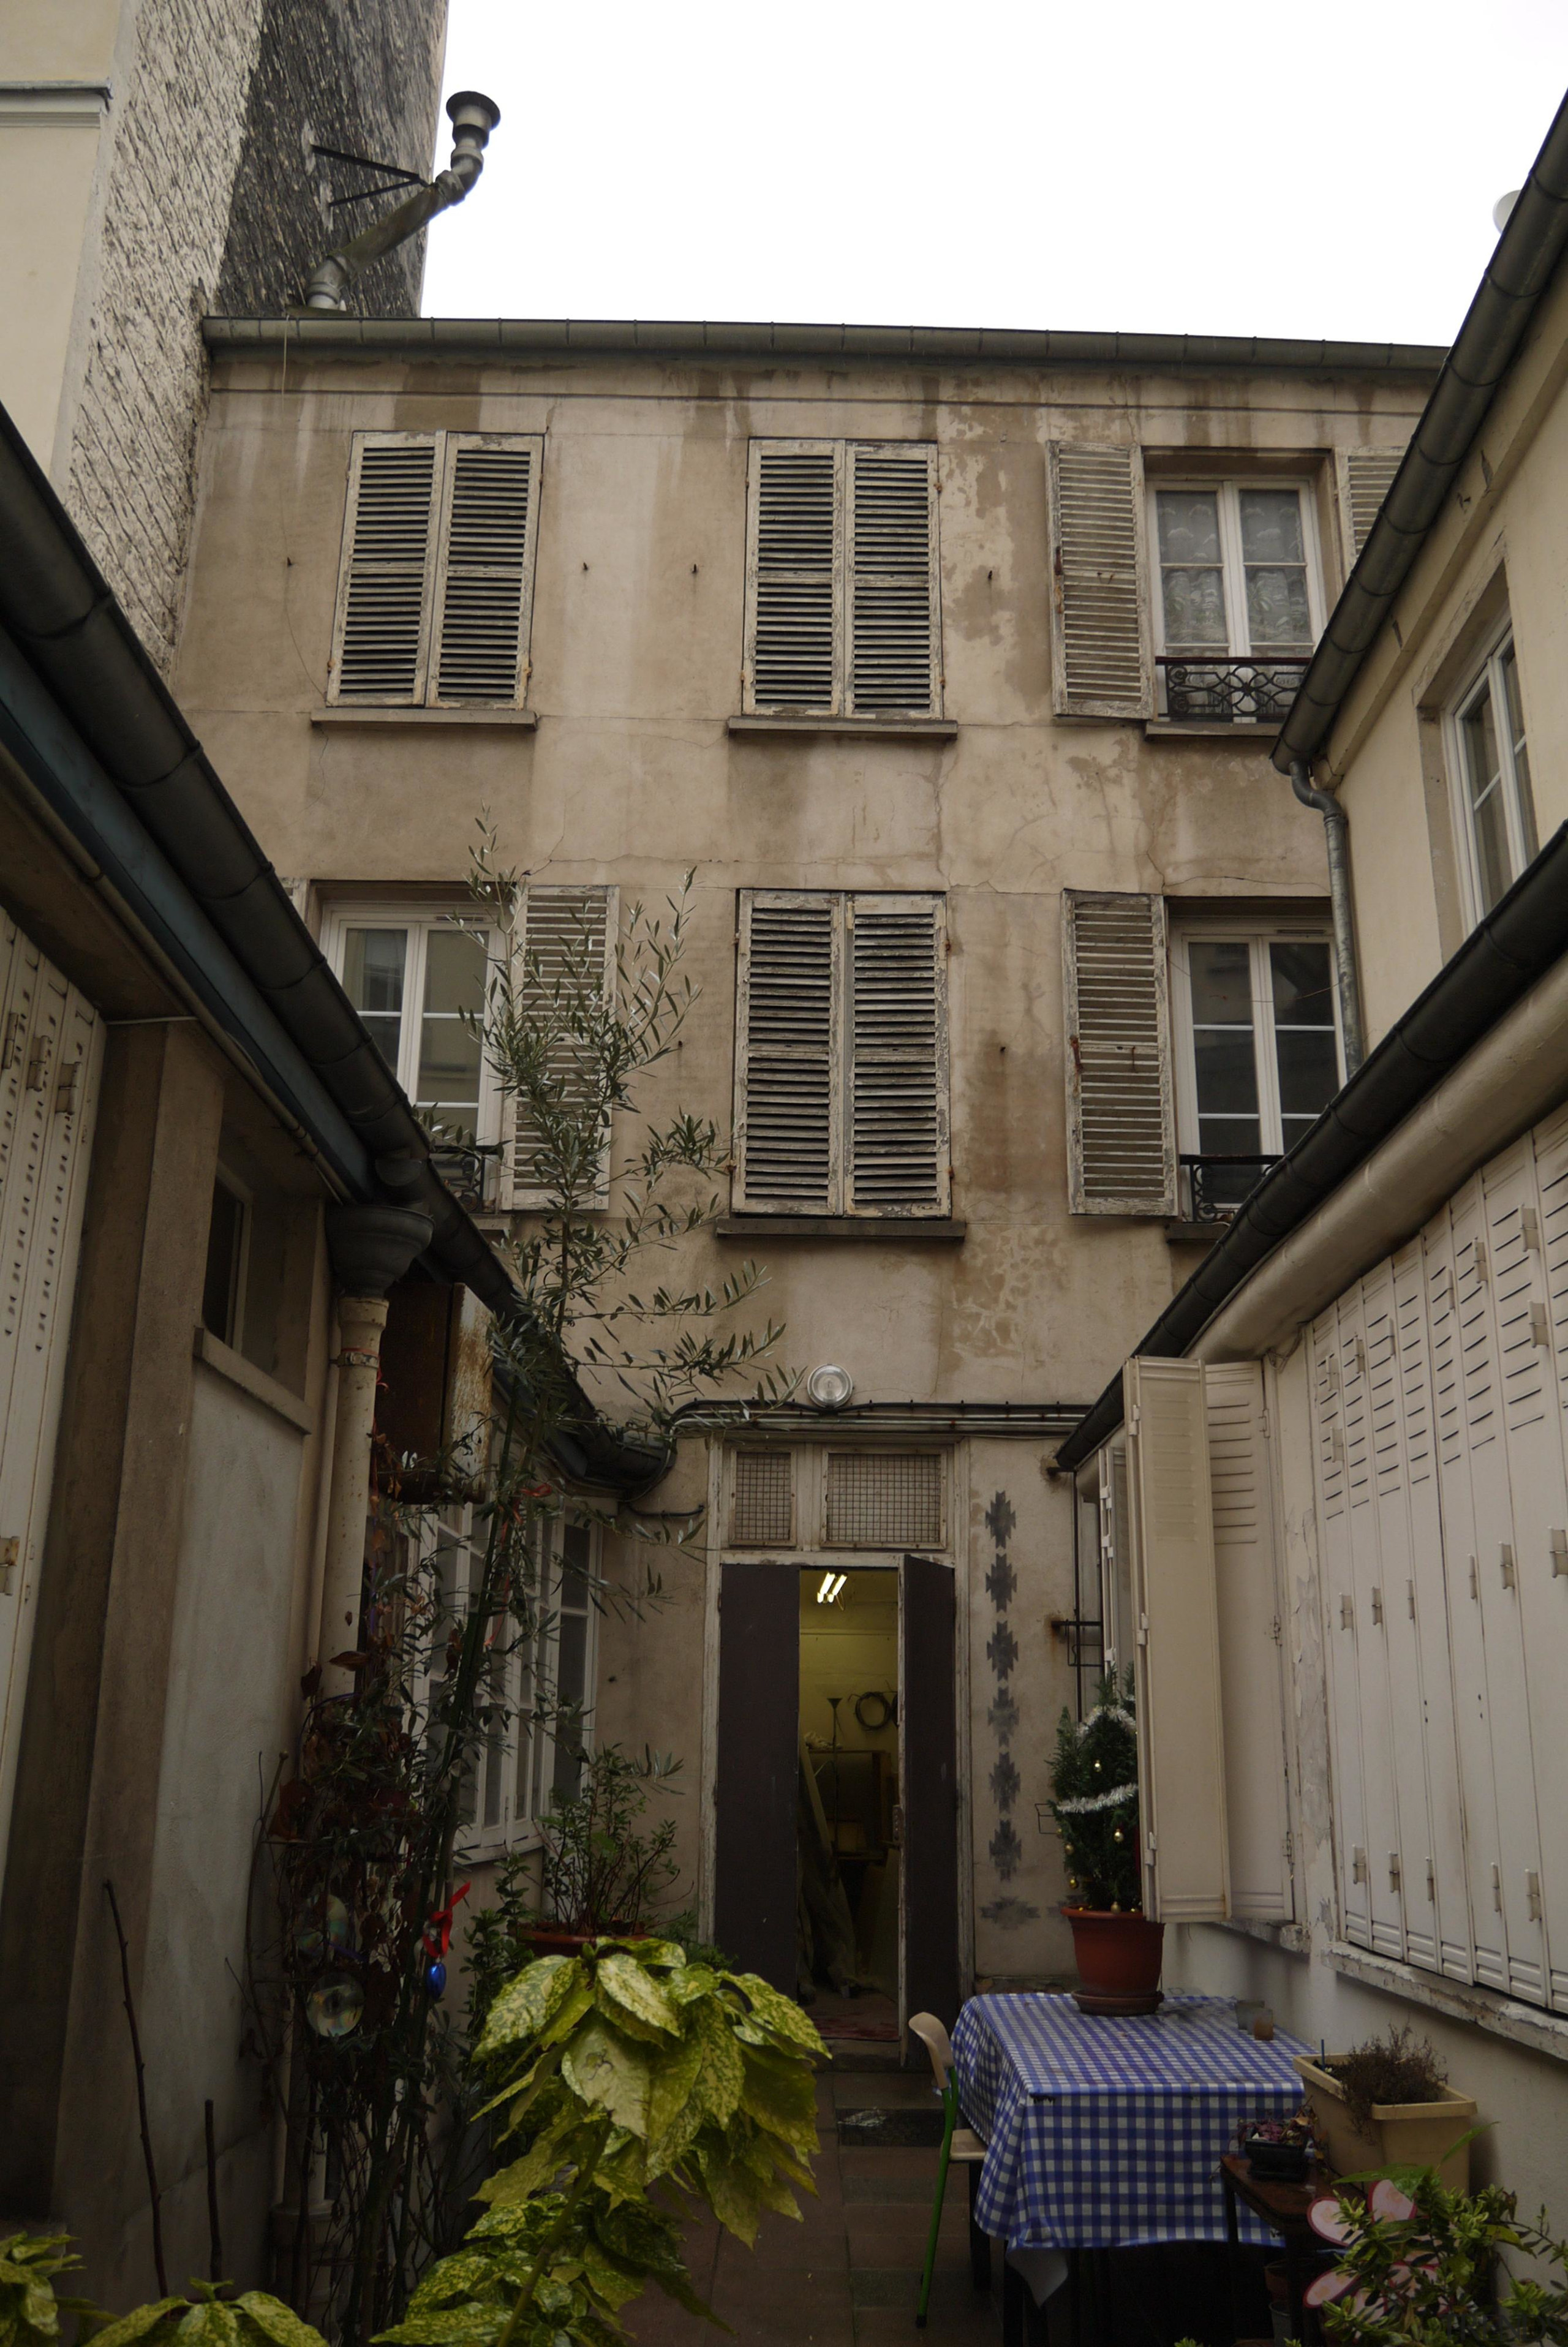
(761, 1512)
(884, 1499)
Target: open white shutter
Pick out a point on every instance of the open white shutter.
(1121, 1106)
(1251, 1635)
(898, 1027)
(484, 584)
(1101, 664)
(1181, 1743)
(794, 556)
(51, 1051)
(1366, 476)
(565, 939)
(893, 605)
(1342, 1652)
(1544, 1571)
(380, 640)
(1384, 1857)
(789, 1151)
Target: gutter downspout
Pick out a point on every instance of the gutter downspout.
(1348, 984)
(473, 118)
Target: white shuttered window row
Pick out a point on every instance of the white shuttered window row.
(1439, 1394)
(841, 1054)
(436, 587)
(842, 598)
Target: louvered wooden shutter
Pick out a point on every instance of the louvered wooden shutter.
(1100, 661)
(483, 583)
(1120, 1115)
(793, 565)
(1366, 476)
(565, 939)
(894, 608)
(1176, 1667)
(789, 1151)
(380, 640)
(1251, 1635)
(897, 1115)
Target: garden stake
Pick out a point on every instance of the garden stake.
(215, 2254)
(140, 2096)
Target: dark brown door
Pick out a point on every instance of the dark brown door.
(928, 1786)
(757, 1765)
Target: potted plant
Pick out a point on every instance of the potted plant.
(1094, 1800)
(1387, 2102)
(1279, 2150)
(598, 1874)
(1419, 2263)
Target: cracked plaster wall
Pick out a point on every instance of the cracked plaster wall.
(631, 776)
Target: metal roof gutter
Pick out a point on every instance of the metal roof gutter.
(104, 745)
(1524, 936)
(982, 347)
(1520, 269)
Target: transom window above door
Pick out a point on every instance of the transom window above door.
(1259, 1052)
(1494, 806)
(1238, 600)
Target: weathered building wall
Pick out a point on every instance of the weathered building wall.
(631, 775)
(364, 76)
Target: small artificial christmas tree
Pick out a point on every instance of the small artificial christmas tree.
(1094, 1800)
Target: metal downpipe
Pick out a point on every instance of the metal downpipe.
(473, 116)
(1348, 984)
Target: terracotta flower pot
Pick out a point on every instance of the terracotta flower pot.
(546, 1943)
(1118, 1957)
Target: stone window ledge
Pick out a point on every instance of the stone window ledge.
(367, 714)
(1485, 2008)
(1168, 729)
(865, 729)
(226, 1363)
(890, 1230)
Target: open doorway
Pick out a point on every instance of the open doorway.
(850, 1806)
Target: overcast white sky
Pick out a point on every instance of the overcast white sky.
(1242, 167)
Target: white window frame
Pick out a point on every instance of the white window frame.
(1232, 565)
(240, 1272)
(520, 1821)
(419, 921)
(808, 1513)
(1258, 936)
(1487, 671)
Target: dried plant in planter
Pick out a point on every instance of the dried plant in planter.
(1398, 2067)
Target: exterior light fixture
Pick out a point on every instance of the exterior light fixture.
(830, 1387)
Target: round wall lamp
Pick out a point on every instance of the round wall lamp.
(830, 1387)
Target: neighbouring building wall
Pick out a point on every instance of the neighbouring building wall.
(1494, 555)
(365, 77)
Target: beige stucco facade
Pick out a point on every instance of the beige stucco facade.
(623, 769)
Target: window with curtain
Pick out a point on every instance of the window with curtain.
(416, 979)
(1494, 806)
(1258, 1050)
(1238, 600)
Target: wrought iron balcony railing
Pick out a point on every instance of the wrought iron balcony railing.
(1228, 692)
(1217, 1185)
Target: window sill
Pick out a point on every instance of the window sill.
(367, 714)
(1168, 729)
(226, 1363)
(865, 729)
(883, 1230)
(1194, 1234)
(1485, 2008)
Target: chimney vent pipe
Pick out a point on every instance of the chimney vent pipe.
(473, 118)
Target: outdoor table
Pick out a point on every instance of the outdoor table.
(1284, 2208)
(1107, 2131)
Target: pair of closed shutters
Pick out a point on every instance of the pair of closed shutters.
(841, 1054)
(843, 603)
(437, 588)
(1102, 657)
(1213, 1769)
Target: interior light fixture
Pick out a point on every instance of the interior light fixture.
(832, 1583)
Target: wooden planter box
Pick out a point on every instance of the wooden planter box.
(1418, 2133)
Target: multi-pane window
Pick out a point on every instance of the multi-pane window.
(1259, 1049)
(1495, 806)
(536, 1692)
(417, 979)
(843, 606)
(841, 1054)
(437, 583)
(1238, 601)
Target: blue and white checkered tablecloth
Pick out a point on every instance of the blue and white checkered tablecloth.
(1103, 2131)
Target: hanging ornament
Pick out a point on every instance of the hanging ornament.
(435, 1978)
(437, 1937)
(333, 2009)
(324, 1932)
(1117, 1835)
